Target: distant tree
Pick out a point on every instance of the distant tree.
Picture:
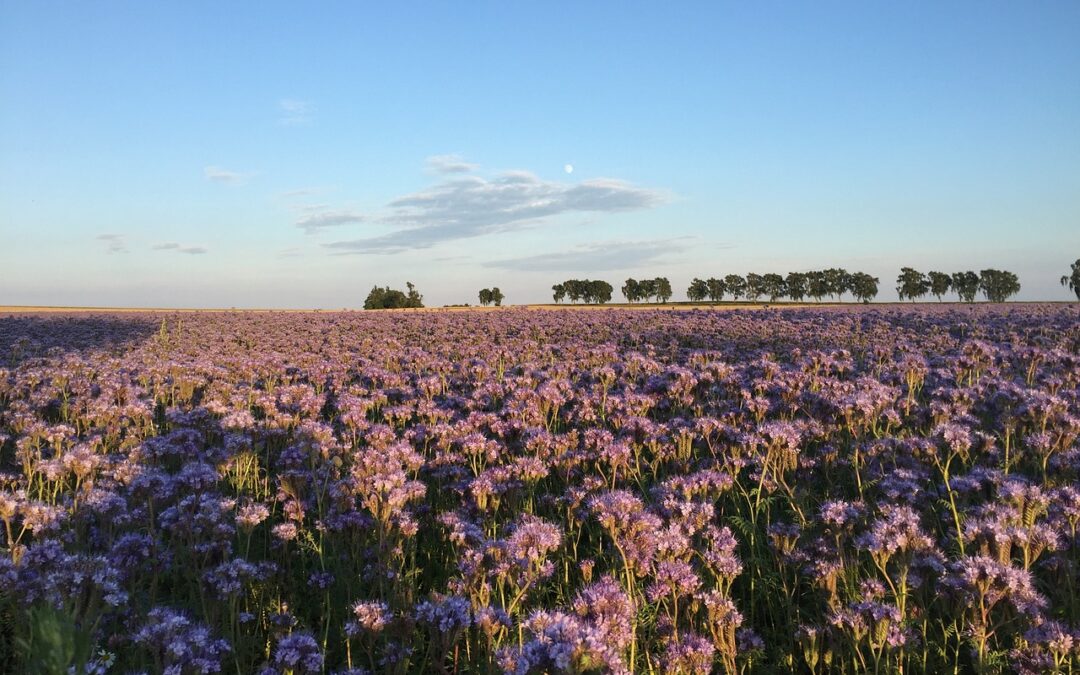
(631, 290)
(485, 297)
(389, 298)
(966, 285)
(648, 289)
(847, 283)
(600, 291)
(864, 287)
(940, 283)
(774, 286)
(998, 285)
(796, 286)
(558, 292)
(574, 290)
(377, 298)
(736, 285)
(663, 289)
(717, 288)
(837, 281)
(497, 296)
(698, 290)
(755, 286)
(1072, 282)
(911, 284)
(817, 286)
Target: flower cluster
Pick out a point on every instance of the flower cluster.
(838, 490)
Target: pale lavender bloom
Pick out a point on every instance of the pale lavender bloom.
(897, 531)
(720, 554)
(229, 578)
(562, 643)
(446, 614)
(626, 520)
(298, 653)
(371, 616)
(531, 540)
(181, 644)
(250, 515)
(673, 579)
(840, 514)
(690, 654)
(983, 581)
(606, 605)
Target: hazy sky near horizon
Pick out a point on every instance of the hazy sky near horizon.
(295, 154)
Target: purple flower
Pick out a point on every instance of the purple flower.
(298, 653)
(370, 616)
(447, 615)
(531, 540)
(673, 579)
(250, 515)
(180, 644)
(689, 655)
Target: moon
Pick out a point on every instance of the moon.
(569, 168)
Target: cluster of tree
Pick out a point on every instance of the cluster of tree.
(592, 292)
(996, 285)
(391, 298)
(796, 286)
(658, 289)
(491, 296)
(1072, 281)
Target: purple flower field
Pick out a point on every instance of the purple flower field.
(838, 490)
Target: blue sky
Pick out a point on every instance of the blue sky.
(294, 154)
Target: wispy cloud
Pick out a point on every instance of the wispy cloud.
(224, 176)
(471, 206)
(320, 220)
(180, 248)
(598, 256)
(303, 192)
(291, 252)
(295, 112)
(114, 243)
(448, 164)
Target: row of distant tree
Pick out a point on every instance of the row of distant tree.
(796, 286)
(658, 289)
(587, 290)
(995, 285)
(834, 283)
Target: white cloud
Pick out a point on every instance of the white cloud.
(598, 256)
(295, 112)
(448, 164)
(471, 206)
(179, 248)
(317, 219)
(115, 243)
(303, 192)
(219, 175)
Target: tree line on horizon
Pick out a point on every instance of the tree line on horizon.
(796, 286)
(593, 292)
(995, 285)
(834, 283)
